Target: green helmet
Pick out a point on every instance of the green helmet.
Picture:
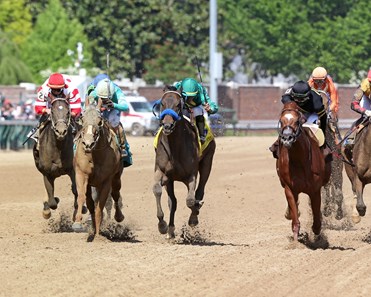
(190, 86)
(105, 88)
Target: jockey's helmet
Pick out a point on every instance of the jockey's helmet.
(99, 77)
(56, 81)
(189, 87)
(105, 88)
(369, 75)
(319, 73)
(300, 91)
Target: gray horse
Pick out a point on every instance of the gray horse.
(179, 158)
(54, 156)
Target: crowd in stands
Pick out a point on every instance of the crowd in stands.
(23, 110)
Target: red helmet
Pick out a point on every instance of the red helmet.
(56, 81)
(369, 75)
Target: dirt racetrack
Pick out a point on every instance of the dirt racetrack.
(242, 246)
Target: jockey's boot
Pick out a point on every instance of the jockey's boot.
(122, 140)
(200, 123)
(274, 149)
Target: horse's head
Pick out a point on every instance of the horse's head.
(171, 105)
(290, 123)
(92, 123)
(60, 117)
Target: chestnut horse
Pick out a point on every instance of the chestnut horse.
(97, 164)
(360, 173)
(301, 166)
(179, 158)
(54, 157)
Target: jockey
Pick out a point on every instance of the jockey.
(320, 80)
(57, 85)
(361, 104)
(309, 103)
(94, 83)
(114, 102)
(195, 95)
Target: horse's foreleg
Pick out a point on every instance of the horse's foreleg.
(103, 193)
(75, 194)
(157, 191)
(91, 205)
(52, 202)
(82, 185)
(115, 193)
(191, 203)
(292, 202)
(361, 207)
(315, 202)
(172, 202)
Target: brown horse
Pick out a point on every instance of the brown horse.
(301, 166)
(178, 158)
(360, 174)
(97, 164)
(55, 154)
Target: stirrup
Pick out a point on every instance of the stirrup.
(202, 139)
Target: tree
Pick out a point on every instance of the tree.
(294, 36)
(12, 69)
(15, 20)
(136, 33)
(53, 35)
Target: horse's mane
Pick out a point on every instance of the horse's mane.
(169, 88)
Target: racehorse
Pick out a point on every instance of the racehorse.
(98, 164)
(359, 173)
(179, 158)
(54, 156)
(300, 166)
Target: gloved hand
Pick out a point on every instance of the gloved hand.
(368, 113)
(108, 104)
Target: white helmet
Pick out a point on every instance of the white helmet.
(319, 73)
(105, 88)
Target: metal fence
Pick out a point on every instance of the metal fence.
(14, 132)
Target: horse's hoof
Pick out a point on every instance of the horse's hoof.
(77, 227)
(47, 214)
(193, 221)
(361, 211)
(118, 218)
(171, 233)
(162, 227)
(54, 205)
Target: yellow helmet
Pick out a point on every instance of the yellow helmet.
(319, 73)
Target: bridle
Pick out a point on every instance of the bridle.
(176, 116)
(66, 121)
(288, 132)
(88, 130)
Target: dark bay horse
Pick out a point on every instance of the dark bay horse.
(55, 155)
(97, 164)
(301, 166)
(360, 174)
(179, 158)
